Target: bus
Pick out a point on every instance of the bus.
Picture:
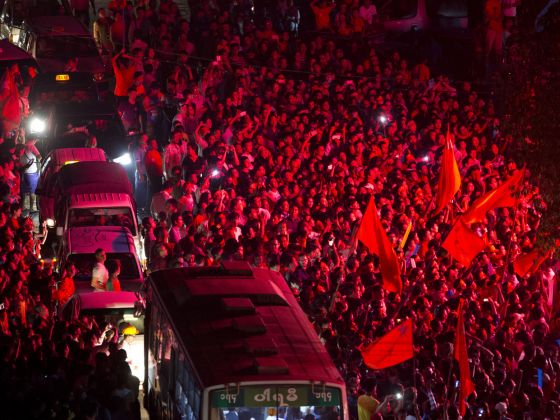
(232, 343)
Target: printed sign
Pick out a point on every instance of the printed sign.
(272, 396)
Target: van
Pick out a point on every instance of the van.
(122, 310)
(63, 88)
(53, 40)
(94, 194)
(50, 168)
(80, 244)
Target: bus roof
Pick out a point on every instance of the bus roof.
(238, 325)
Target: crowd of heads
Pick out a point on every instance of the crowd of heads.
(269, 152)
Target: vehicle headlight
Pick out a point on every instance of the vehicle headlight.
(124, 159)
(37, 125)
(50, 223)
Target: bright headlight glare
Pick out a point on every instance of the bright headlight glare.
(37, 125)
(124, 159)
(50, 222)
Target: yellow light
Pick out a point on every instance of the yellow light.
(70, 162)
(62, 77)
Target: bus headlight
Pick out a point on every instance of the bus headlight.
(124, 159)
(37, 125)
(50, 223)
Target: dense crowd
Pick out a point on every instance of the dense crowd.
(269, 152)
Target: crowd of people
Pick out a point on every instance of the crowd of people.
(269, 152)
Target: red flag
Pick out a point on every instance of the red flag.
(393, 348)
(461, 355)
(449, 176)
(372, 235)
(503, 196)
(529, 263)
(462, 243)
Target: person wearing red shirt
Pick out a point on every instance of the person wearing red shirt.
(154, 167)
(66, 287)
(322, 11)
(124, 70)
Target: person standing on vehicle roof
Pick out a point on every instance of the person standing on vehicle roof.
(30, 165)
(100, 274)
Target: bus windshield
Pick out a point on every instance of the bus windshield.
(266, 402)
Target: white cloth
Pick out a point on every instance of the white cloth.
(173, 156)
(99, 277)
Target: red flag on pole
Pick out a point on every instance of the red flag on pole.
(503, 196)
(462, 243)
(461, 355)
(530, 263)
(372, 235)
(393, 348)
(449, 176)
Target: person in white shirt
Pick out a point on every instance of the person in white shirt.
(29, 161)
(174, 153)
(99, 274)
(160, 198)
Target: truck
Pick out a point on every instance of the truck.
(94, 193)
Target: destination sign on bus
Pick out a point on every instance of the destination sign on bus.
(270, 396)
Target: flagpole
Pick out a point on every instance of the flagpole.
(450, 391)
(508, 252)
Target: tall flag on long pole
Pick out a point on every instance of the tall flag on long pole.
(503, 196)
(373, 235)
(449, 176)
(393, 348)
(461, 355)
